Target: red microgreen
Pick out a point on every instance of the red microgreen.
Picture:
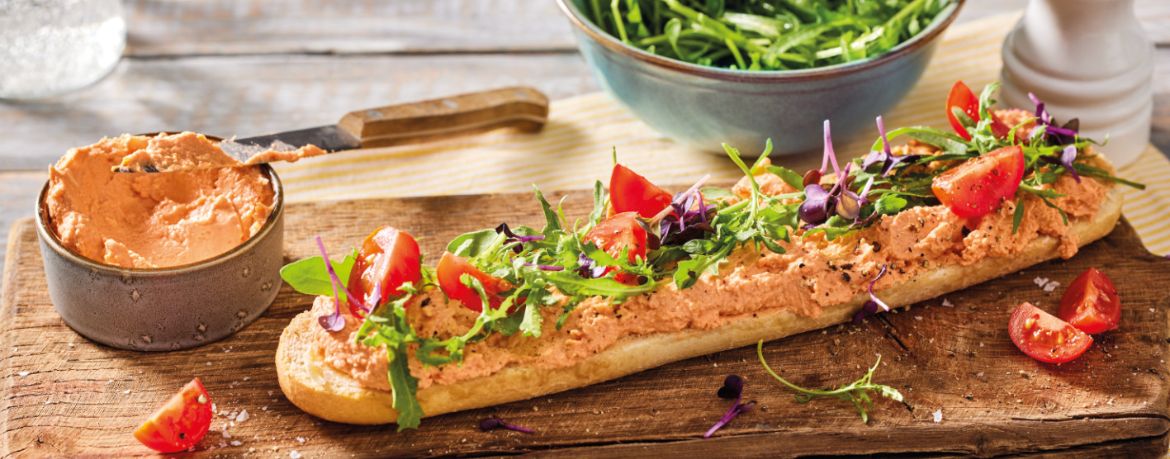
(830, 155)
(732, 389)
(331, 322)
(513, 237)
(494, 423)
(875, 304)
(885, 156)
(687, 217)
(1054, 133)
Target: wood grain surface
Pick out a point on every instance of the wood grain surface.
(65, 396)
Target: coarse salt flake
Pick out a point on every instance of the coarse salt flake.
(294, 454)
(938, 416)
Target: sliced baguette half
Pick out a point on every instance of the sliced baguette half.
(318, 389)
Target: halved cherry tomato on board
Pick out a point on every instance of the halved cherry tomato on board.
(630, 192)
(621, 232)
(962, 98)
(449, 271)
(388, 258)
(1044, 337)
(180, 423)
(1091, 303)
(977, 187)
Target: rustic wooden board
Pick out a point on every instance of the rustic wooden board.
(65, 396)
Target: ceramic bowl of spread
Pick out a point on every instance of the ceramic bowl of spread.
(703, 106)
(128, 303)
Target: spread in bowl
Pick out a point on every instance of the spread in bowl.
(159, 261)
(140, 220)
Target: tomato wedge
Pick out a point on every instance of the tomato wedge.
(630, 192)
(963, 99)
(1044, 337)
(621, 232)
(180, 423)
(451, 269)
(387, 259)
(977, 187)
(1091, 303)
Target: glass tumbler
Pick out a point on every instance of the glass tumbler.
(50, 47)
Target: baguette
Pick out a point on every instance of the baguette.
(319, 389)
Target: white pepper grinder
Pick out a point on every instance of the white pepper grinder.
(1087, 59)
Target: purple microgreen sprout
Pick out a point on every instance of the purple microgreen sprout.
(331, 322)
(732, 389)
(830, 155)
(1060, 134)
(687, 216)
(494, 423)
(588, 267)
(513, 237)
(886, 156)
(545, 267)
(875, 304)
(1066, 159)
(817, 202)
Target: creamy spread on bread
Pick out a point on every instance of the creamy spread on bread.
(811, 274)
(704, 269)
(140, 220)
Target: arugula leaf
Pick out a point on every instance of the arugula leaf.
(1018, 216)
(947, 142)
(475, 243)
(404, 388)
(552, 223)
(856, 392)
(789, 176)
(309, 275)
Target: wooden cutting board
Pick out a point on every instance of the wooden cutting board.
(65, 396)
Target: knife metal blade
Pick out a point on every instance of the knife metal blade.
(330, 138)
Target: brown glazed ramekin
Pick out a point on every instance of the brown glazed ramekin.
(165, 309)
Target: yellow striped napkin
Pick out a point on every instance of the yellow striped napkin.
(574, 149)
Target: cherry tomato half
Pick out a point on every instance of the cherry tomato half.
(180, 423)
(388, 258)
(449, 271)
(617, 233)
(962, 98)
(630, 192)
(1044, 337)
(1091, 303)
(977, 187)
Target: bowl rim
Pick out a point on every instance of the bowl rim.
(932, 31)
(49, 235)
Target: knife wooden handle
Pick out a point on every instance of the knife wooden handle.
(520, 107)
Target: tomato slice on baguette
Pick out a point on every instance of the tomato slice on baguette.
(387, 259)
(630, 192)
(978, 187)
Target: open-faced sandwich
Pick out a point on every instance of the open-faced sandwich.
(651, 277)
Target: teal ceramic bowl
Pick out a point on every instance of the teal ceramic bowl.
(705, 106)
